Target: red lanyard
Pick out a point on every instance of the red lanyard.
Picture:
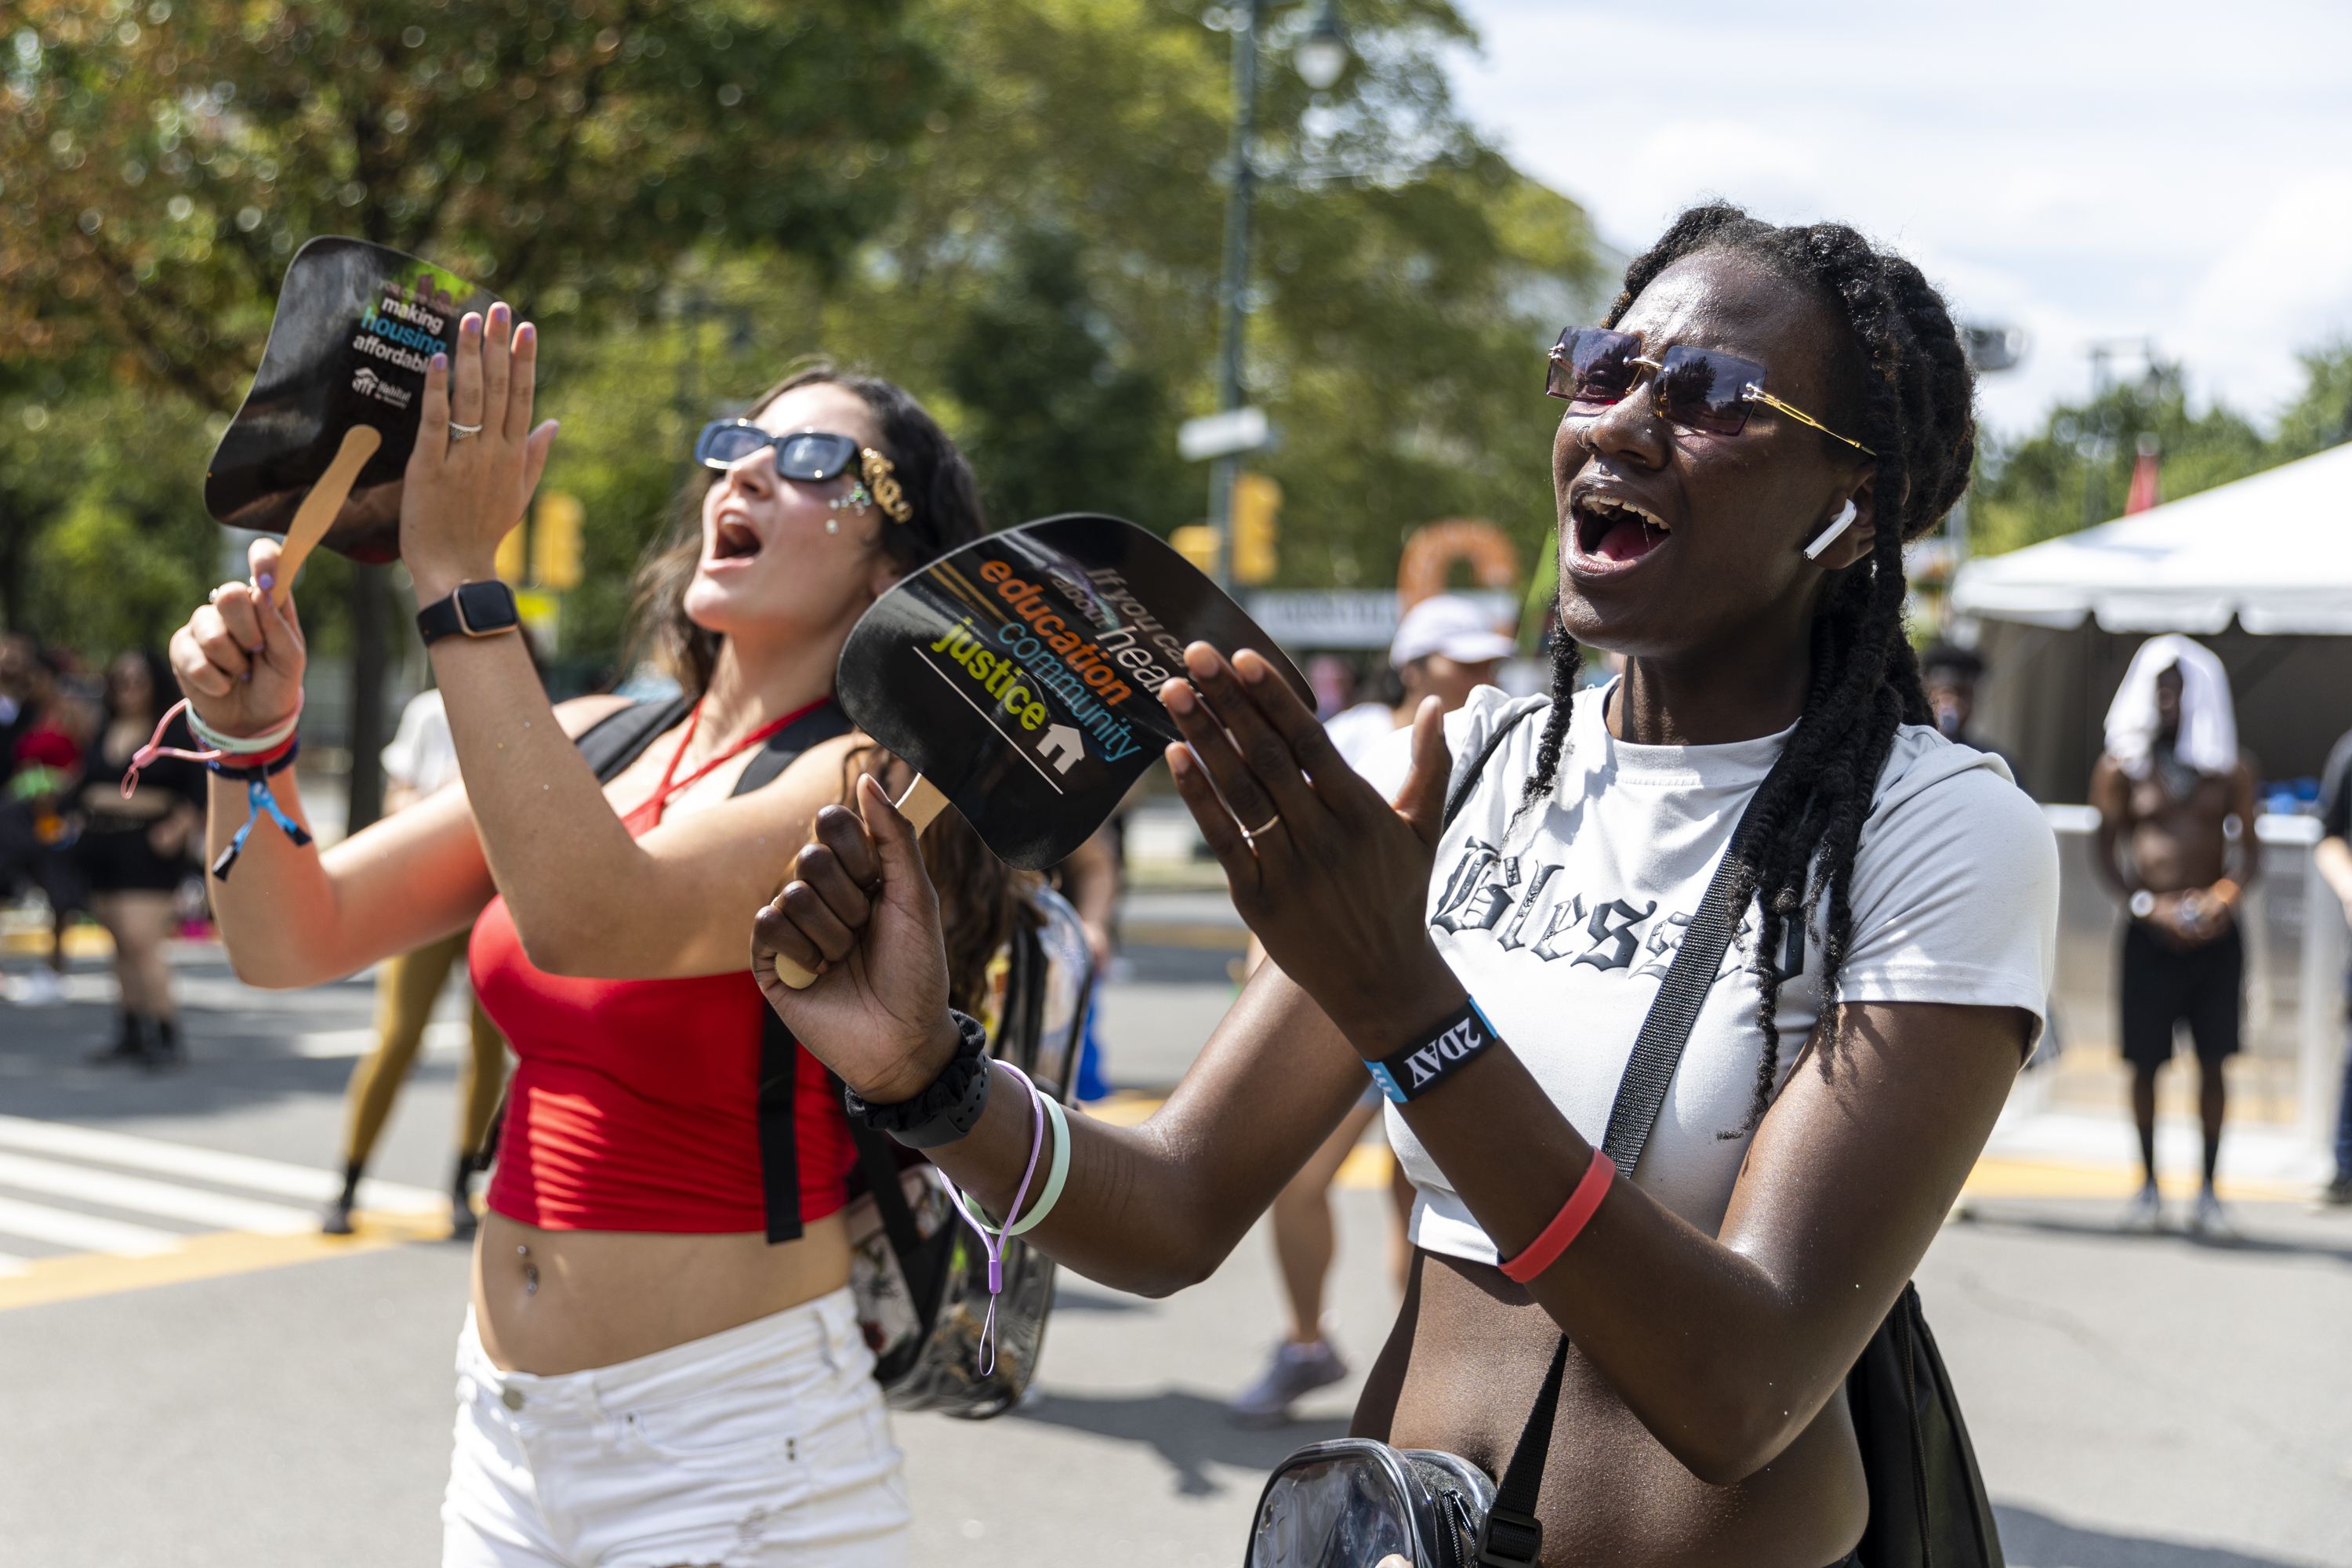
(648, 811)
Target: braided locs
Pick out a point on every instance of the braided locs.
(1913, 404)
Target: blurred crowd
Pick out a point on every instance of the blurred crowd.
(74, 849)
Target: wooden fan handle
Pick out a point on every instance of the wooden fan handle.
(319, 509)
(920, 805)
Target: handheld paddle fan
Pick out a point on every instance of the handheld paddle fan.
(1019, 676)
(318, 449)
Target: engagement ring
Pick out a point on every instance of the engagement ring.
(459, 432)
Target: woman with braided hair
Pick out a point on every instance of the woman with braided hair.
(1764, 420)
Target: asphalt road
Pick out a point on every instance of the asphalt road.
(2134, 1400)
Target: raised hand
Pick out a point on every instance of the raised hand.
(1332, 879)
(861, 914)
(240, 657)
(465, 491)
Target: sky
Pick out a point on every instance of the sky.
(2090, 173)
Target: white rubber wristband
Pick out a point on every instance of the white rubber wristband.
(1056, 1176)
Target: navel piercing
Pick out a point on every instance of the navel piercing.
(529, 1273)
(832, 525)
(1838, 525)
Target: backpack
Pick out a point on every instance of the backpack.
(920, 1284)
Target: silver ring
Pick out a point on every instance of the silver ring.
(1250, 835)
(459, 432)
(212, 597)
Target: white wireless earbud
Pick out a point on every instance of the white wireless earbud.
(1843, 521)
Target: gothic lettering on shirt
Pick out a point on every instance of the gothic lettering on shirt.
(1504, 895)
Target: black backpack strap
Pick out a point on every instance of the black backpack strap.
(784, 747)
(780, 1169)
(1658, 1048)
(621, 737)
(1512, 1536)
(1467, 782)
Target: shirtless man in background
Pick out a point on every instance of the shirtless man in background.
(2174, 790)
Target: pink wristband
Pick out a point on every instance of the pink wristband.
(1565, 1225)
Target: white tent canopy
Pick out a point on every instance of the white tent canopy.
(2275, 551)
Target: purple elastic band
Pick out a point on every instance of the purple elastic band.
(993, 1241)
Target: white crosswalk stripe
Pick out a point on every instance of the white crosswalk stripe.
(178, 1184)
(152, 1154)
(215, 1211)
(82, 1231)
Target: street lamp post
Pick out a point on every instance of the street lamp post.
(1235, 279)
(1322, 56)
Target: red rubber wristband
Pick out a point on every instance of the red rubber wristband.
(1568, 1224)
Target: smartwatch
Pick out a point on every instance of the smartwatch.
(475, 610)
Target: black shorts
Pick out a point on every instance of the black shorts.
(2162, 986)
(122, 861)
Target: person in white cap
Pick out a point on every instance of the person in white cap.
(1446, 647)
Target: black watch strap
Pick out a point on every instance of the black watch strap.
(475, 610)
(948, 1109)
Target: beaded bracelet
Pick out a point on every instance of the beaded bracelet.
(258, 800)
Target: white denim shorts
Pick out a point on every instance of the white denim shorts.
(767, 1444)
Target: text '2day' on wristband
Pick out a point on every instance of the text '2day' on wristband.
(1453, 1045)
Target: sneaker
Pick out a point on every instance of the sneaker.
(2144, 1215)
(37, 988)
(1295, 1371)
(2213, 1222)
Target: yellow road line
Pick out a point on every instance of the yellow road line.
(2000, 1178)
(207, 1256)
(1171, 933)
(1367, 1166)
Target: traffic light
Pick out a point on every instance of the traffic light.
(1257, 508)
(510, 556)
(555, 541)
(1196, 542)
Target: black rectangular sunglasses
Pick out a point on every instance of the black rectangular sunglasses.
(1697, 389)
(811, 456)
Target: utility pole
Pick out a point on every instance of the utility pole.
(1234, 286)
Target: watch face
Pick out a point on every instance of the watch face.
(485, 607)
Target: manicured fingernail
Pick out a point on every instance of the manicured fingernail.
(266, 581)
(498, 314)
(244, 675)
(526, 333)
(1176, 696)
(256, 648)
(440, 362)
(470, 325)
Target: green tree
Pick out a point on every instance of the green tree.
(1051, 279)
(2077, 470)
(2321, 416)
(160, 165)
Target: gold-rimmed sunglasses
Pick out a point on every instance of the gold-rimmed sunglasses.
(1697, 389)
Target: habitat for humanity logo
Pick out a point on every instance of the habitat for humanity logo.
(383, 390)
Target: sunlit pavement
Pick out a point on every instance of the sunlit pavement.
(195, 1377)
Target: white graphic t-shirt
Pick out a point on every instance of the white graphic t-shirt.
(1561, 924)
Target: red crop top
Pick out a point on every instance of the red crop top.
(635, 1103)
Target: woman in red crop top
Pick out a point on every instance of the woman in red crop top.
(661, 1364)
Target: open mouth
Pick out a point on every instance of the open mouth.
(1609, 527)
(735, 541)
